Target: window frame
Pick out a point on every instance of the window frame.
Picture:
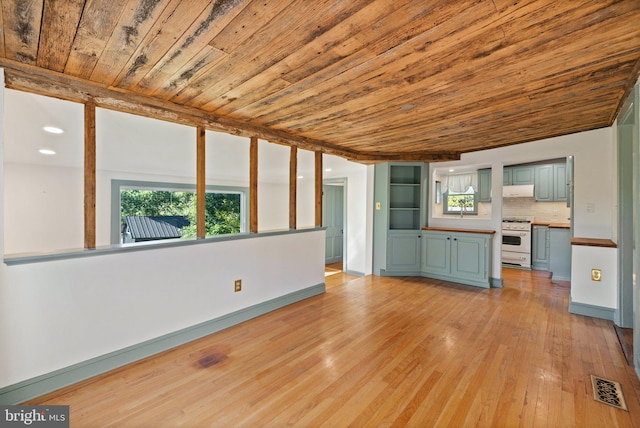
(117, 185)
(447, 211)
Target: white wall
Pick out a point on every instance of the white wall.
(359, 248)
(584, 290)
(595, 200)
(58, 313)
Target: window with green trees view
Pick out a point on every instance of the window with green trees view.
(170, 206)
(460, 203)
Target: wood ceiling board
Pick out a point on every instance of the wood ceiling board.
(96, 27)
(21, 21)
(60, 18)
(169, 27)
(189, 47)
(274, 42)
(335, 74)
(383, 72)
(132, 28)
(497, 62)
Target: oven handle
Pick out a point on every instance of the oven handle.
(509, 233)
(514, 258)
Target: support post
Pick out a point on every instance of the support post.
(201, 185)
(293, 187)
(253, 185)
(318, 186)
(90, 176)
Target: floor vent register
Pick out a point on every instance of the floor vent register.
(608, 392)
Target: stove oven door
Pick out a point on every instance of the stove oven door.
(517, 241)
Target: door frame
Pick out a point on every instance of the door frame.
(342, 181)
(625, 141)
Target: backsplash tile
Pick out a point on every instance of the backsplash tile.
(552, 212)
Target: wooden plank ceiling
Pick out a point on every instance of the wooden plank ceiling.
(365, 79)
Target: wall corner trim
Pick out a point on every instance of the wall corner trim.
(592, 311)
(496, 282)
(40, 385)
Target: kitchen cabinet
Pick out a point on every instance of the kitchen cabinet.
(517, 175)
(484, 185)
(507, 176)
(560, 181)
(457, 256)
(540, 248)
(543, 183)
(550, 183)
(405, 184)
(404, 250)
(399, 214)
(560, 253)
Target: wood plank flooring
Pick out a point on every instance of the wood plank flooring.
(376, 351)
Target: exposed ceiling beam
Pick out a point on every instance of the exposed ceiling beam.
(45, 82)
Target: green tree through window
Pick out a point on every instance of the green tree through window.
(222, 210)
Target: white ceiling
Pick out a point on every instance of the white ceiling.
(140, 145)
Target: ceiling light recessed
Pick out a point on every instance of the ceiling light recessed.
(301, 176)
(46, 152)
(407, 107)
(328, 170)
(451, 170)
(53, 130)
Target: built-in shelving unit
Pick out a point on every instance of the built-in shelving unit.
(404, 197)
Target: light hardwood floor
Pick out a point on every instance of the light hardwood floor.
(378, 351)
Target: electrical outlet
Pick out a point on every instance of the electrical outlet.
(237, 285)
(596, 275)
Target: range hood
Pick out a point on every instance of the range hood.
(518, 191)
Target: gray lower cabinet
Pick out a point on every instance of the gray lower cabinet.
(403, 252)
(560, 253)
(540, 248)
(457, 257)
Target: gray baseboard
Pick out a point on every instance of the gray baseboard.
(495, 282)
(354, 272)
(40, 385)
(591, 311)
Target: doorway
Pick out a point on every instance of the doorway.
(333, 219)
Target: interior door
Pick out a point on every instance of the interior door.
(333, 220)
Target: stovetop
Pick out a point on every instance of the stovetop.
(518, 219)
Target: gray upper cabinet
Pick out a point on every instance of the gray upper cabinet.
(484, 185)
(550, 182)
(517, 175)
(507, 177)
(543, 186)
(523, 175)
(560, 181)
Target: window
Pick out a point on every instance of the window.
(149, 211)
(460, 203)
(460, 194)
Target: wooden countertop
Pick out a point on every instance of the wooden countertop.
(594, 242)
(451, 229)
(552, 225)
